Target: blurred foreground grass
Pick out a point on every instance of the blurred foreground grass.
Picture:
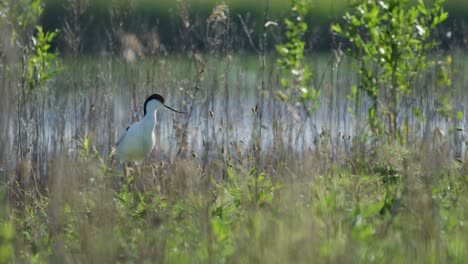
(401, 205)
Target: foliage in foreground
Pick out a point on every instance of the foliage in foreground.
(399, 206)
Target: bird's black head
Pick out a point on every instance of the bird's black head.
(157, 97)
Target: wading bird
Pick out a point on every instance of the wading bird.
(139, 139)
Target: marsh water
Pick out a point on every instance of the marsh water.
(230, 109)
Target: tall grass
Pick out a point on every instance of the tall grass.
(243, 178)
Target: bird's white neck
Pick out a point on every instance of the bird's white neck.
(150, 119)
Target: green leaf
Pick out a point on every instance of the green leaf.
(421, 7)
(443, 17)
(373, 209)
(355, 22)
(417, 112)
(337, 28)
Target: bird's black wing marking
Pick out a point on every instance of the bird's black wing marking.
(122, 137)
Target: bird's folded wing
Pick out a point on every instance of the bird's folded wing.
(122, 136)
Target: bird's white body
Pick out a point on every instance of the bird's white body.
(139, 139)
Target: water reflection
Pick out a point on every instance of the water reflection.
(102, 98)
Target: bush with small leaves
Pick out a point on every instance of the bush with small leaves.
(390, 42)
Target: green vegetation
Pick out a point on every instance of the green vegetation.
(390, 42)
(395, 210)
(291, 61)
(162, 16)
(244, 177)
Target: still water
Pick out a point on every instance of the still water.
(230, 111)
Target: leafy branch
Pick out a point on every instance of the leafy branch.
(296, 75)
(390, 41)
